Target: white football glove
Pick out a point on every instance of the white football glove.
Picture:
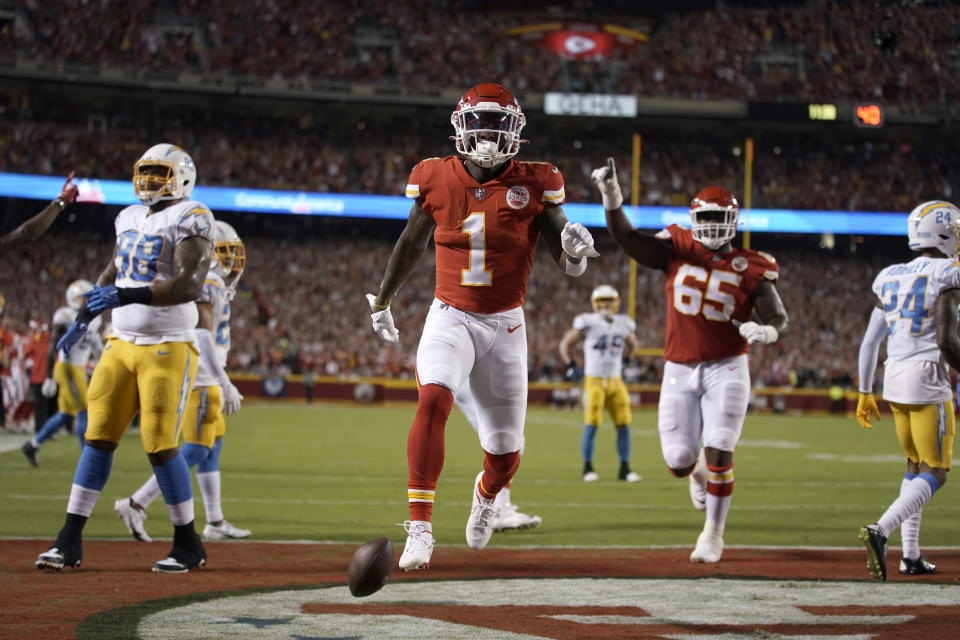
(230, 399)
(382, 322)
(49, 388)
(577, 241)
(758, 333)
(606, 180)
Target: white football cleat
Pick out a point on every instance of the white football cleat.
(590, 476)
(133, 518)
(698, 483)
(480, 522)
(510, 517)
(224, 531)
(419, 547)
(709, 548)
(633, 476)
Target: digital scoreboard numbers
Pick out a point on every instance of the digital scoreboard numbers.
(869, 115)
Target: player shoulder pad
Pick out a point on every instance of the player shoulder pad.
(412, 190)
(196, 220)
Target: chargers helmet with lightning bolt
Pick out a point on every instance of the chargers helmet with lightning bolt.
(164, 172)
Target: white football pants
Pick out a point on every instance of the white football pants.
(705, 400)
(482, 359)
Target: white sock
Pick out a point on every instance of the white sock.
(82, 500)
(718, 506)
(209, 482)
(147, 493)
(181, 513)
(912, 498)
(910, 536)
(910, 530)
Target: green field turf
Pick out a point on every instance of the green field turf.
(337, 472)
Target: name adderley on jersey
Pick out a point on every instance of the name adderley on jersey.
(91, 341)
(602, 352)
(915, 371)
(145, 247)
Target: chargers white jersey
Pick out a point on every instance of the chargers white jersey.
(216, 293)
(80, 352)
(915, 371)
(145, 246)
(604, 338)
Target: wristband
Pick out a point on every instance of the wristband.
(59, 201)
(380, 307)
(575, 269)
(134, 295)
(84, 316)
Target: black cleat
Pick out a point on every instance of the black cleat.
(917, 567)
(31, 452)
(59, 556)
(187, 553)
(627, 475)
(876, 544)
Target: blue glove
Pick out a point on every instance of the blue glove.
(572, 372)
(99, 299)
(71, 337)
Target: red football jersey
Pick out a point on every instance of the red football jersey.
(486, 234)
(705, 290)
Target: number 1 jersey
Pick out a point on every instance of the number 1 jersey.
(705, 291)
(486, 234)
(145, 245)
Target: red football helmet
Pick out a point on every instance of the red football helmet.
(488, 121)
(713, 217)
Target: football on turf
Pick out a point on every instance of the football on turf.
(370, 567)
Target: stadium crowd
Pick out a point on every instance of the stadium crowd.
(295, 314)
(901, 52)
(807, 170)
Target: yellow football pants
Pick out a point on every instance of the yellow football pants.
(152, 379)
(204, 421)
(606, 394)
(925, 432)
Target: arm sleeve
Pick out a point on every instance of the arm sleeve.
(208, 356)
(870, 349)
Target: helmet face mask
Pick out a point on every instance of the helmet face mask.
(714, 214)
(164, 172)
(75, 291)
(229, 257)
(605, 300)
(487, 122)
(934, 225)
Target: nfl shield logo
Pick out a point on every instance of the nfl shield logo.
(480, 193)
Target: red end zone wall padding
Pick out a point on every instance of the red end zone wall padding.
(560, 393)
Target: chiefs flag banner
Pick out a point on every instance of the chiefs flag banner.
(583, 41)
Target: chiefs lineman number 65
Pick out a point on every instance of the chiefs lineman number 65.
(712, 291)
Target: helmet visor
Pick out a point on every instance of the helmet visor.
(489, 121)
